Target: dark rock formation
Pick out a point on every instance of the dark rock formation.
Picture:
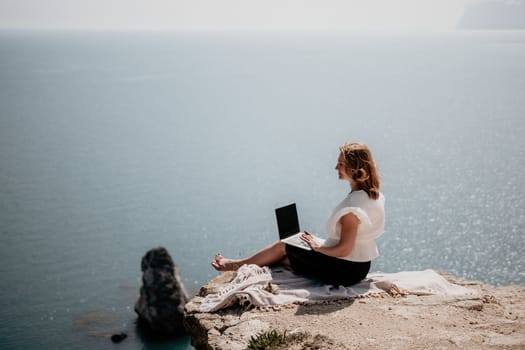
(160, 307)
(118, 337)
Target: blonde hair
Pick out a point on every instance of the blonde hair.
(361, 167)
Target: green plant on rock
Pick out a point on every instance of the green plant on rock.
(274, 340)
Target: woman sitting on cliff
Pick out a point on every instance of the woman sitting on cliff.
(344, 258)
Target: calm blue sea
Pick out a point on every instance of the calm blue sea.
(115, 143)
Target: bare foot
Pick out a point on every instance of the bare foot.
(220, 263)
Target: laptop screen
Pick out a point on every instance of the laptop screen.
(287, 220)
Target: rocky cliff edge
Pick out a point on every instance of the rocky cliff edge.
(493, 320)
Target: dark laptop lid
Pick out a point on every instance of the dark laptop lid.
(287, 220)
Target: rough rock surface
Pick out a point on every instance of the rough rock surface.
(494, 320)
(160, 306)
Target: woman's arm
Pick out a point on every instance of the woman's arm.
(349, 224)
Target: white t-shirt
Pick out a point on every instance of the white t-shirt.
(371, 215)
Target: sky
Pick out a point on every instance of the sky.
(234, 15)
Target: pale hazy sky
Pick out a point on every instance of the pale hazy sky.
(213, 15)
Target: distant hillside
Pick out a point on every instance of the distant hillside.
(494, 14)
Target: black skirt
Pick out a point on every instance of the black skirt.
(327, 269)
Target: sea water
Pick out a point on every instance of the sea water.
(115, 143)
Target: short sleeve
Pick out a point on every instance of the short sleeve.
(336, 216)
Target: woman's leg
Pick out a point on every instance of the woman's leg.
(272, 254)
(327, 269)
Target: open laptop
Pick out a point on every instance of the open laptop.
(288, 226)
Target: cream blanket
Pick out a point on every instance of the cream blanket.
(263, 287)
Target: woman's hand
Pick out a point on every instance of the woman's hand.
(349, 225)
(310, 240)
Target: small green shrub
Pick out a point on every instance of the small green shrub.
(273, 340)
(266, 340)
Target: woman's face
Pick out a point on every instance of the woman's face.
(340, 167)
